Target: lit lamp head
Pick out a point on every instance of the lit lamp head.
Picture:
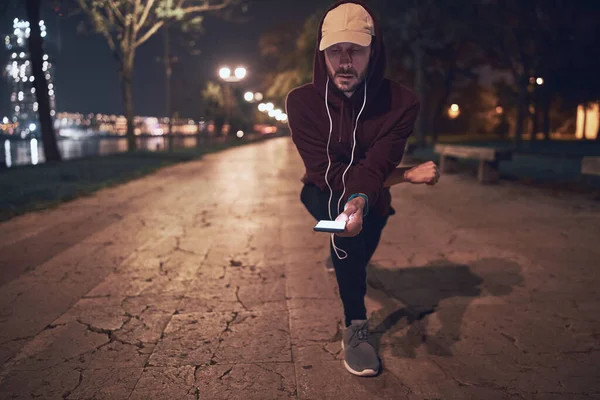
(225, 73)
(454, 111)
(238, 74)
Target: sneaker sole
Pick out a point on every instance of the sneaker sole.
(364, 372)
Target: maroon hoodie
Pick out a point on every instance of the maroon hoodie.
(383, 128)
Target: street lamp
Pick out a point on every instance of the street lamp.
(239, 74)
(538, 80)
(225, 74)
(454, 111)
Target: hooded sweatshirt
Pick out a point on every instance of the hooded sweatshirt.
(385, 124)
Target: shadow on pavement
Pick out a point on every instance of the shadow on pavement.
(422, 289)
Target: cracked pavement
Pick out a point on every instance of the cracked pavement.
(206, 281)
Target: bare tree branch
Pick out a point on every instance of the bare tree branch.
(115, 9)
(128, 32)
(103, 31)
(144, 16)
(149, 33)
(207, 7)
(136, 15)
(111, 18)
(127, 24)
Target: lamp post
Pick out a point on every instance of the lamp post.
(535, 89)
(229, 77)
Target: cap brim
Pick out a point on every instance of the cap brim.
(359, 38)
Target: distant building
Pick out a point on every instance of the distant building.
(77, 124)
(24, 106)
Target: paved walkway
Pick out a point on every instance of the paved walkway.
(206, 281)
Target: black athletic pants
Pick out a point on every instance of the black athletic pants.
(351, 272)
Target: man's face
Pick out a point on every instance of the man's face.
(347, 65)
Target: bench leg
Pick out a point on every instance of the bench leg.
(488, 172)
(448, 164)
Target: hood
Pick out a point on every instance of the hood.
(377, 64)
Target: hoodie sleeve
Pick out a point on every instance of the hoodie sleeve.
(382, 158)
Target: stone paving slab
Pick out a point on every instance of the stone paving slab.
(326, 380)
(269, 381)
(205, 280)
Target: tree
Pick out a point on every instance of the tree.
(451, 68)
(433, 41)
(555, 41)
(287, 57)
(214, 105)
(36, 54)
(127, 24)
(185, 41)
(40, 84)
(574, 77)
(222, 103)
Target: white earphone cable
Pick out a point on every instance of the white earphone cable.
(353, 146)
(335, 248)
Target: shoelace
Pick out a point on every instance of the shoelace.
(360, 334)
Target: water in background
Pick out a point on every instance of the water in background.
(15, 152)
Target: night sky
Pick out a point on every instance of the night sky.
(86, 77)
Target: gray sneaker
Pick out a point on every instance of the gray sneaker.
(360, 357)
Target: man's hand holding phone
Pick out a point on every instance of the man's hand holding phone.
(353, 217)
(347, 224)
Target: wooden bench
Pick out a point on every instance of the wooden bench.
(590, 166)
(488, 157)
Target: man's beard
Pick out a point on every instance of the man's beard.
(348, 88)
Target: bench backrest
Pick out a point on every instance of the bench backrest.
(481, 153)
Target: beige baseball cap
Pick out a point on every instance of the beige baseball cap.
(348, 22)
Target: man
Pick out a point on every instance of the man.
(350, 126)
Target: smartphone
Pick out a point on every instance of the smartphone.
(330, 226)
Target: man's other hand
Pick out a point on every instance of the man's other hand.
(353, 216)
(423, 173)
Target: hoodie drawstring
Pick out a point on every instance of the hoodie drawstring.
(335, 248)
